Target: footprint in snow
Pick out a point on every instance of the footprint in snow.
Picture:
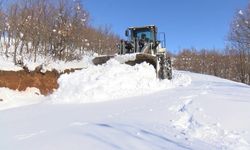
(183, 107)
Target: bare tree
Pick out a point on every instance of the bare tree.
(239, 37)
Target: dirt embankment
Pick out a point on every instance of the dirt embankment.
(19, 80)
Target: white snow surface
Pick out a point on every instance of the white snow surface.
(11, 99)
(7, 64)
(115, 106)
(48, 64)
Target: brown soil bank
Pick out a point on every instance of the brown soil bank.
(20, 80)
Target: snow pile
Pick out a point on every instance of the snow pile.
(125, 58)
(10, 98)
(112, 80)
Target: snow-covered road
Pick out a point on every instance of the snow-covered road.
(209, 113)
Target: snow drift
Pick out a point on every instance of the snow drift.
(112, 80)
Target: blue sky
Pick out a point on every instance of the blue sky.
(187, 23)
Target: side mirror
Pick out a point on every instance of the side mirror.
(126, 33)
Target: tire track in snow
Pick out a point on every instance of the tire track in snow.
(136, 137)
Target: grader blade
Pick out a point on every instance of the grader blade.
(101, 59)
(162, 65)
(140, 58)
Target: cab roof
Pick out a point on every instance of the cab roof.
(143, 27)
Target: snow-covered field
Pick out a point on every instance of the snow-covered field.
(115, 106)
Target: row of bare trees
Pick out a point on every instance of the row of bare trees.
(58, 29)
(226, 64)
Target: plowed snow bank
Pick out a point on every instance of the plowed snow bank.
(112, 80)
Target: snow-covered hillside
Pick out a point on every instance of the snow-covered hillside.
(115, 106)
(47, 64)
